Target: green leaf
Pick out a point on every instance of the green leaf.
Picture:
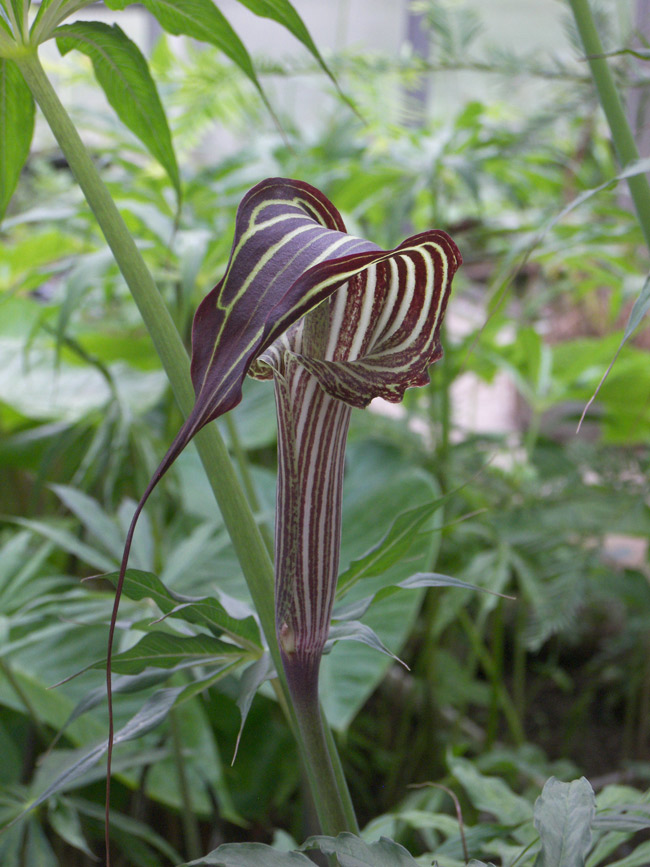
(127, 825)
(38, 849)
(639, 310)
(16, 128)
(251, 680)
(68, 542)
(563, 816)
(284, 13)
(151, 714)
(200, 19)
(123, 73)
(352, 851)
(390, 549)
(162, 650)
(491, 794)
(64, 819)
(639, 858)
(249, 855)
(202, 611)
(93, 517)
(354, 630)
(631, 817)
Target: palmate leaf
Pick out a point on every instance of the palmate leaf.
(123, 74)
(16, 128)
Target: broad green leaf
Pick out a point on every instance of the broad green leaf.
(202, 611)
(16, 128)
(390, 549)
(351, 672)
(490, 793)
(152, 714)
(163, 650)
(563, 816)
(249, 855)
(124, 75)
(352, 851)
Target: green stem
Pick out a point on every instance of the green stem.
(191, 830)
(335, 817)
(238, 518)
(489, 667)
(246, 478)
(610, 101)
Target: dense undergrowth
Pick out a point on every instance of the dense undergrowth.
(498, 692)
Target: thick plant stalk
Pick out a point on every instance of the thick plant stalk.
(240, 523)
(610, 101)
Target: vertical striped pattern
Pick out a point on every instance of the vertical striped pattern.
(312, 433)
(376, 335)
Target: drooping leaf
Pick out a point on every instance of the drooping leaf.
(354, 630)
(92, 516)
(123, 74)
(390, 548)
(151, 714)
(352, 851)
(249, 855)
(16, 128)
(251, 680)
(563, 816)
(67, 541)
(285, 14)
(201, 20)
(64, 819)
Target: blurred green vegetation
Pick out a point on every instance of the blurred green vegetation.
(554, 681)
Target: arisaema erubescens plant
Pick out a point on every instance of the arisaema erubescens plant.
(335, 321)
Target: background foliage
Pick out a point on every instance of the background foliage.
(499, 694)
